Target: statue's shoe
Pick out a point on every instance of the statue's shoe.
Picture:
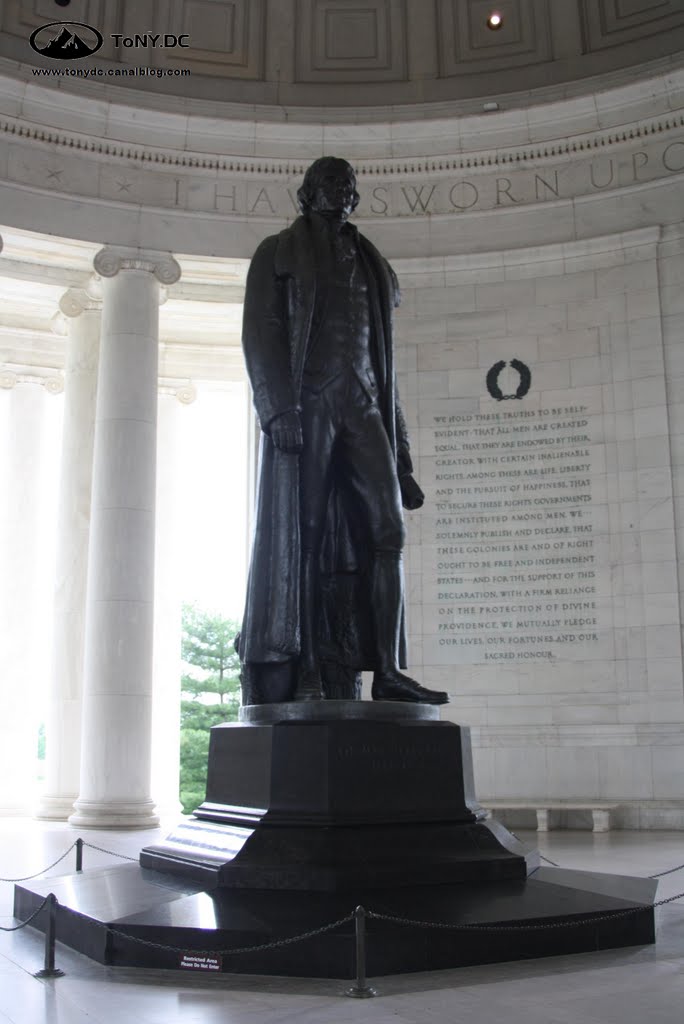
(396, 686)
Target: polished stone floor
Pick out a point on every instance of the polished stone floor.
(628, 986)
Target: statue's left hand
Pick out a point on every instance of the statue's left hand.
(286, 432)
(412, 497)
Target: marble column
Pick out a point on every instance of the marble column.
(174, 396)
(117, 680)
(63, 726)
(26, 557)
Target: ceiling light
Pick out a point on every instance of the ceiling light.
(495, 20)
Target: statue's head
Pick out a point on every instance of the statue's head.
(329, 188)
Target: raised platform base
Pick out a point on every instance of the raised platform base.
(312, 810)
(137, 903)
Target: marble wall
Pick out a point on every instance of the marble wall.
(542, 572)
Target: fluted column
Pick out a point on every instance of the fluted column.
(174, 396)
(23, 436)
(117, 683)
(63, 726)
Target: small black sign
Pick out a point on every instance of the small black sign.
(200, 962)
(493, 380)
(66, 40)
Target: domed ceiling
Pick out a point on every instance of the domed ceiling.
(352, 54)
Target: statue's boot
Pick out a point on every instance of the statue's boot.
(309, 683)
(394, 685)
(387, 603)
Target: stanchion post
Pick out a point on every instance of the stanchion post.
(79, 854)
(49, 970)
(361, 990)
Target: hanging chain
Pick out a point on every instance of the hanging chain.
(28, 920)
(101, 849)
(262, 947)
(42, 870)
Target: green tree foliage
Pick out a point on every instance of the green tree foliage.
(210, 694)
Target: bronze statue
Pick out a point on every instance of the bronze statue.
(325, 593)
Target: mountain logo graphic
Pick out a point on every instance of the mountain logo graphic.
(66, 40)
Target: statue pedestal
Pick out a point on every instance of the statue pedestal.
(334, 795)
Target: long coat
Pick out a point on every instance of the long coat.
(285, 284)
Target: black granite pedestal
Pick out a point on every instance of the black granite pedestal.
(337, 795)
(313, 809)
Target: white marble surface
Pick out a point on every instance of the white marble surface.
(626, 986)
(117, 685)
(63, 725)
(166, 666)
(122, 170)
(30, 419)
(591, 333)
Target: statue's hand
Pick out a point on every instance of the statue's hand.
(286, 432)
(412, 496)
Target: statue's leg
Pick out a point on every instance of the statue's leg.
(309, 683)
(387, 604)
(372, 476)
(314, 483)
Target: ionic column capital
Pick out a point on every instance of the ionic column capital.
(51, 380)
(184, 391)
(110, 260)
(77, 300)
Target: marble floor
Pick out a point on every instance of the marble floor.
(627, 986)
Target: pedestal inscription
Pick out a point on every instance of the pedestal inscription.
(516, 536)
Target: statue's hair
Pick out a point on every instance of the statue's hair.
(314, 176)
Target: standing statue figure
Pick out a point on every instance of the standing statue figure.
(325, 593)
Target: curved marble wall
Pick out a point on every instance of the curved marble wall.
(541, 256)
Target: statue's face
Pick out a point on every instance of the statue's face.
(334, 195)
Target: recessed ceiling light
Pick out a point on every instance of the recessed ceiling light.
(495, 20)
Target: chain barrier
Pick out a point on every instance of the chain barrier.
(276, 944)
(670, 871)
(111, 853)
(42, 871)
(74, 845)
(359, 915)
(18, 927)
(523, 927)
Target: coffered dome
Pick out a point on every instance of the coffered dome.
(343, 54)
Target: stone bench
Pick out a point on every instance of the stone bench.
(600, 810)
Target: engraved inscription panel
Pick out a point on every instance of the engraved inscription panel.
(520, 535)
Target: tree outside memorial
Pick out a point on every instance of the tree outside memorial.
(210, 694)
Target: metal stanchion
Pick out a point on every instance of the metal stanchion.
(361, 990)
(79, 854)
(49, 970)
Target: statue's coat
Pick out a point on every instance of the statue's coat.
(286, 281)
